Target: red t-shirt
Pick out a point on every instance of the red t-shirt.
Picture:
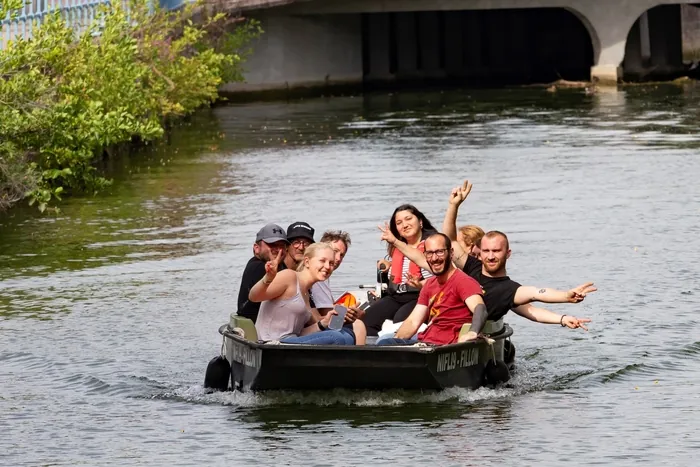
(448, 312)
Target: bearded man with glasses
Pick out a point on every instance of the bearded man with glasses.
(449, 299)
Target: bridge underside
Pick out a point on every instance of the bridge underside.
(334, 42)
(475, 47)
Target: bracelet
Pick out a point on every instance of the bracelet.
(561, 321)
(321, 326)
(265, 282)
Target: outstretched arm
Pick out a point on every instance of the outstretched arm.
(528, 294)
(413, 322)
(540, 315)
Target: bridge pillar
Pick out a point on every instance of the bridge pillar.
(609, 28)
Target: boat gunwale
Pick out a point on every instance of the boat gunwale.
(225, 331)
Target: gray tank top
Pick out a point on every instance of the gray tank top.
(279, 318)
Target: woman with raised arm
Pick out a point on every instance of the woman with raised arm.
(411, 226)
(285, 312)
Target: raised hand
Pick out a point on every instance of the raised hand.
(577, 294)
(460, 193)
(387, 235)
(573, 322)
(271, 266)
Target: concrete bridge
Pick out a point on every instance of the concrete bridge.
(326, 42)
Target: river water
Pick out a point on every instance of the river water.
(109, 310)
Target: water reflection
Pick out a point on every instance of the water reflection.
(275, 418)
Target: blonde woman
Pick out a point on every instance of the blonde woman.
(469, 238)
(285, 311)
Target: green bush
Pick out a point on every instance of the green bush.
(65, 101)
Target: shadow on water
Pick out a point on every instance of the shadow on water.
(274, 418)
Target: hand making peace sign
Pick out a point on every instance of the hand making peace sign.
(460, 193)
(271, 267)
(577, 294)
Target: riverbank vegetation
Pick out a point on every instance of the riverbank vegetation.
(69, 99)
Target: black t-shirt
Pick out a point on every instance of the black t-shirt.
(254, 271)
(499, 292)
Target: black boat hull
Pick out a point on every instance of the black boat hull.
(259, 367)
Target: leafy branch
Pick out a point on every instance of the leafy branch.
(67, 99)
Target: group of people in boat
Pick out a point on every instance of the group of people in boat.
(439, 279)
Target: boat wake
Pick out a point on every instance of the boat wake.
(345, 397)
(526, 379)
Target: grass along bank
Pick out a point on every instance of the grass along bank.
(67, 99)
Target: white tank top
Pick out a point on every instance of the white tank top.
(279, 318)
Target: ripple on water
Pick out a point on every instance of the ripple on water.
(135, 282)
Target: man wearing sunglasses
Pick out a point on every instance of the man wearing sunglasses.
(449, 299)
(300, 235)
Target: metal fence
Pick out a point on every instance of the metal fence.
(77, 13)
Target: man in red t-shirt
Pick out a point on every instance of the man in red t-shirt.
(451, 298)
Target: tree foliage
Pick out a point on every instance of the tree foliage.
(67, 99)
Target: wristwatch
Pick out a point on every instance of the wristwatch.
(321, 326)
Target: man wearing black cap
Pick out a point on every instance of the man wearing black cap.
(299, 235)
(268, 242)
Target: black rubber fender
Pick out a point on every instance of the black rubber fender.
(496, 373)
(217, 375)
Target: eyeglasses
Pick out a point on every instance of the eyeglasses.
(300, 242)
(439, 253)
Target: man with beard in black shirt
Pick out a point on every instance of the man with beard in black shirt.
(501, 294)
(268, 242)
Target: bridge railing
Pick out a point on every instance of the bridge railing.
(77, 13)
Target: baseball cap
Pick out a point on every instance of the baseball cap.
(271, 233)
(300, 229)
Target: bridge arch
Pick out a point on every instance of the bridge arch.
(654, 46)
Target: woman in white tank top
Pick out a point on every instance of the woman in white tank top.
(285, 311)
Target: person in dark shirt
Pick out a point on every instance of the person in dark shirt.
(268, 242)
(501, 294)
